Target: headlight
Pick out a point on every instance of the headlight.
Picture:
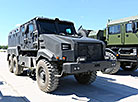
(66, 46)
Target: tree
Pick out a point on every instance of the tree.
(3, 47)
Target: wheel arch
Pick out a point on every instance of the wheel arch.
(40, 58)
(13, 51)
(45, 54)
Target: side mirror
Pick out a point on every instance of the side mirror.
(26, 29)
(83, 32)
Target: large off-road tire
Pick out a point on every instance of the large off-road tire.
(10, 64)
(86, 77)
(133, 67)
(17, 69)
(45, 75)
(112, 70)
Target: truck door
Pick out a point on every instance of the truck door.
(31, 37)
(131, 35)
(114, 35)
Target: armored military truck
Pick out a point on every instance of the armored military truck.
(122, 37)
(51, 48)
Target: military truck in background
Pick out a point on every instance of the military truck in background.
(121, 36)
(51, 48)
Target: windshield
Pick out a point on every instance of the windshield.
(66, 28)
(47, 27)
(53, 27)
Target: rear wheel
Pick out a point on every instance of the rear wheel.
(10, 64)
(112, 70)
(17, 69)
(128, 66)
(86, 77)
(45, 74)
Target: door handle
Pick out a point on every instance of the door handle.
(127, 35)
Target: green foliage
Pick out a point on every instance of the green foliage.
(3, 47)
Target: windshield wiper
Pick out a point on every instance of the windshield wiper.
(70, 35)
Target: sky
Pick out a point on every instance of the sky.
(91, 14)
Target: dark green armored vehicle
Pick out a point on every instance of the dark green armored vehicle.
(51, 48)
(122, 37)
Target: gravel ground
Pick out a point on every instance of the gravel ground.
(122, 87)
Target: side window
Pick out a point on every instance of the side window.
(129, 28)
(136, 25)
(110, 31)
(31, 27)
(115, 29)
(22, 30)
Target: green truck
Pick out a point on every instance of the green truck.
(121, 36)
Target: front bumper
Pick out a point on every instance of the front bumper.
(72, 68)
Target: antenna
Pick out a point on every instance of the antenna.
(80, 27)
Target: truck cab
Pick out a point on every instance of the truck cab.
(123, 32)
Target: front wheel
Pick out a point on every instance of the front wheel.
(86, 77)
(112, 70)
(45, 74)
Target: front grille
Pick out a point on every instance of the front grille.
(128, 57)
(126, 51)
(92, 52)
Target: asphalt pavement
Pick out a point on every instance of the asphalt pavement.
(122, 87)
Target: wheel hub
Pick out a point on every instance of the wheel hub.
(42, 76)
(14, 66)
